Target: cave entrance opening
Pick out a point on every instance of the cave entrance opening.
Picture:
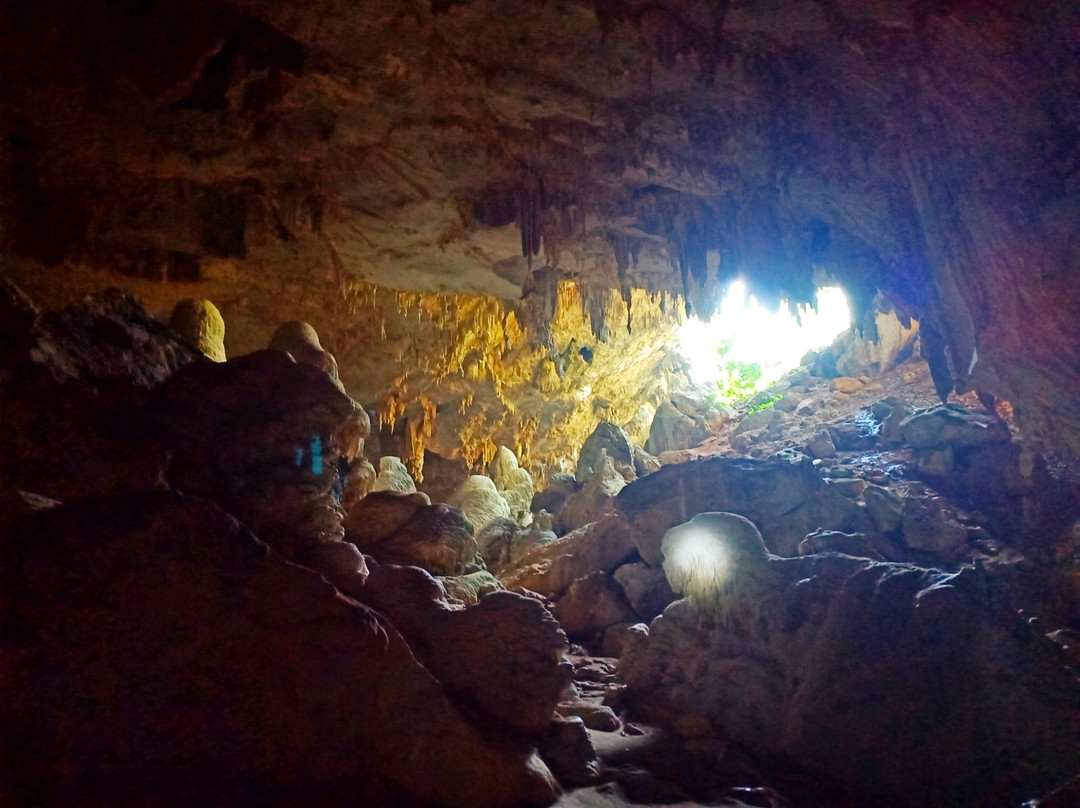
(745, 347)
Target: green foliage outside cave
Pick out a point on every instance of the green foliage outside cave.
(738, 380)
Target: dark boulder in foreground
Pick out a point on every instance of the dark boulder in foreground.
(156, 653)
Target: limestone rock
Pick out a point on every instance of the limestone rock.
(302, 341)
(672, 430)
(502, 656)
(637, 428)
(469, 589)
(503, 541)
(569, 753)
(107, 337)
(261, 435)
(480, 501)
(393, 476)
(551, 499)
(805, 408)
(592, 604)
(612, 440)
(928, 529)
(593, 499)
(514, 483)
(645, 587)
(203, 653)
(817, 659)
(884, 507)
(946, 425)
(767, 419)
(821, 445)
(404, 529)
(358, 484)
(595, 716)
(784, 496)
(603, 545)
(200, 325)
(644, 463)
(701, 556)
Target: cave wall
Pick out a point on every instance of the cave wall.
(929, 150)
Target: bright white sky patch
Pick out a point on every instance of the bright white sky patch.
(772, 338)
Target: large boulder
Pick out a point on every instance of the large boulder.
(673, 430)
(157, 653)
(912, 687)
(603, 545)
(611, 439)
(406, 529)
(261, 435)
(645, 587)
(784, 496)
(593, 499)
(501, 657)
(592, 604)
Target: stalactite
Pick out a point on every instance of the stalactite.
(530, 213)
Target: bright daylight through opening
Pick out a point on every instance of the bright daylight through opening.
(746, 347)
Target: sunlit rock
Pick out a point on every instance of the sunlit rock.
(201, 326)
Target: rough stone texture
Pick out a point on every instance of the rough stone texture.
(594, 499)
(819, 659)
(200, 325)
(514, 483)
(591, 605)
(480, 501)
(302, 341)
(928, 529)
(672, 430)
(261, 435)
(358, 484)
(106, 337)
(784, 496)
(613, 440)
(952, 426)
(406, 529)
(821, 445)
(569, 753)
(846, 384)
(603, 546)
(393, 476)
(645, 587)
(156, 633)
(502, 657)
(644, 463)
(551, 499)
(469, 589)
(503, 542)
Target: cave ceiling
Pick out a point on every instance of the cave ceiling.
(927, 149)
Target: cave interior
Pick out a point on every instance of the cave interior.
(347, 456)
